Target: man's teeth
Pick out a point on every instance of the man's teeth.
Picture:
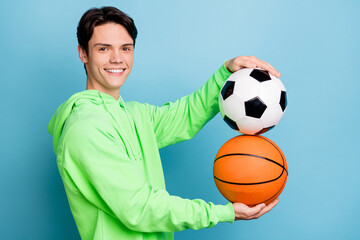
(114, 70)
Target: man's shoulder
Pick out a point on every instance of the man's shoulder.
(87, 114)
(82, 122)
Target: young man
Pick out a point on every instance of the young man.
(107, 150)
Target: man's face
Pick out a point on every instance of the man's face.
(110, 58)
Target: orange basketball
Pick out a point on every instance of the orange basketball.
(250, 170)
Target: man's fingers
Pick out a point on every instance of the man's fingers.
(268, 67)
(245, 212)
(254, 62)
(267, 208)
(240, 62)
(253, 211)
(272, 70)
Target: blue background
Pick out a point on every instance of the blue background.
(314, 44)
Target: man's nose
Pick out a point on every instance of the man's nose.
(116, 57)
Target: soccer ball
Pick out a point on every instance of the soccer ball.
(252, 101)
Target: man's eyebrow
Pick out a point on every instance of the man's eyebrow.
(102, 44)
(109, 45)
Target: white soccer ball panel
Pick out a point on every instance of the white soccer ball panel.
(279, 83)
(249, 125)
(234, 108)
(246, 88)
(272, 115)
(270, 92)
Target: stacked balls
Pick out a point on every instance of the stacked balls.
(250, 168)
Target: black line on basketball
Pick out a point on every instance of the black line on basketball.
(256, 183)
(252, 155)
(277, 148)
(274, 194)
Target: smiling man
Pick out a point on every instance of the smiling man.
(112, 55)
(108, 150)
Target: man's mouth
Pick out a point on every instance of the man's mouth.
(114, 70)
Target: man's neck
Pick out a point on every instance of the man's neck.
(114, 93)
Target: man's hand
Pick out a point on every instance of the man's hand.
(240, 62)
(243, 212)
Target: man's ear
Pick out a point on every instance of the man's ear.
(82, 54)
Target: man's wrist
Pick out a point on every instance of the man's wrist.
(227, 66)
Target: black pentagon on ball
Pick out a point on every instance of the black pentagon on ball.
(260, 75)
(227, 89)
(254, 107)
(264, 130)
(283, 100)
(231, 123)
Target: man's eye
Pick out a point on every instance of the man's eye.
(126, 49)
(103, 49)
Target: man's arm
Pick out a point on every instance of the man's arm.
(179, 121)
(96, 165)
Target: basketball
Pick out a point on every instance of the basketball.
(250, 169)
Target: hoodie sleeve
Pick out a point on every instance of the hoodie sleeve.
(181, 120)
(115, 184)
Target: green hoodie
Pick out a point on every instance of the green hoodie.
(108, 158)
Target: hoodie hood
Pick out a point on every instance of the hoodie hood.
(58, 120)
